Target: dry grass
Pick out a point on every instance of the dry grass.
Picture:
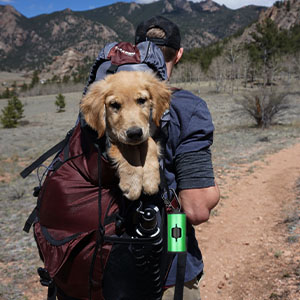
(236, 140)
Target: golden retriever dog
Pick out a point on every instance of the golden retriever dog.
(122, 105)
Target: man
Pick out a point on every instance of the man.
(188, 157)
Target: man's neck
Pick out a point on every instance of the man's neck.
(169, 66)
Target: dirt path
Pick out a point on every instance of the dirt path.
(249, 253)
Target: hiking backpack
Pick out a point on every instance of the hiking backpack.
(96, 244)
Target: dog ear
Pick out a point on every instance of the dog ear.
(161, 98)
(93, 107)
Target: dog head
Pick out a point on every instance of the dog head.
(123, 103)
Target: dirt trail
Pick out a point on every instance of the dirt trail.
(246, 253)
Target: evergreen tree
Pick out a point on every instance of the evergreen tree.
(5, 94)
(204, 56)
(35, 79)
(268, 43)
(288, 5)
(12, 113)
(66, 79)
(24, 87)
(55, 79)
(60, 103)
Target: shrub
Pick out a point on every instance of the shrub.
(8, 93)
(60, 103)
(12, 113)
(24, 87)
(35, 79)
(264, 105)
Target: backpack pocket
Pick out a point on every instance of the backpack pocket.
(69, 260)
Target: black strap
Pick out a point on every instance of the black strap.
(30, 220)
(46, 280)
(52, 292)
(46, 155)
(100, 225)
(93, 73)
(112, 69)
(179, 285)
(168, 256)
(101, 230)
(181, 256)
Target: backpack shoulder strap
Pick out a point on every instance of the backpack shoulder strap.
(56, 148)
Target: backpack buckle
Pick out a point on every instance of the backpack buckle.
(174, 204)
(45, 278)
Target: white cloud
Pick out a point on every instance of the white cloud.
(144, 1)
(239, 3)
(7, 1)
(233, 4)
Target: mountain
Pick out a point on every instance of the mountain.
(285, 14)
(37, 42)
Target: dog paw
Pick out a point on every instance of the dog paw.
(151, 189)
(151, 183)
(132, 195)
(131, 187)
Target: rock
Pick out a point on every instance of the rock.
(221, 285)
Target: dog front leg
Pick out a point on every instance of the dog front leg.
(151, 175)
(130, 172)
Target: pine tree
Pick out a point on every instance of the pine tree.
(5, 94)
(267, 44)
(35, 79)
(12, 113)
(288, 5)
(24, 87)
(60, 103)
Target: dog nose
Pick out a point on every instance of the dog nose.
(134, 133)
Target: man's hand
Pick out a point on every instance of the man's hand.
(197, 203)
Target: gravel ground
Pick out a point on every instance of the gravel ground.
(237, 140)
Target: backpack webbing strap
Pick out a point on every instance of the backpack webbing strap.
(52, 292)
(181, 257)
(30, 220)
(179, 285)
(92, 75)
(112, 69)
(101, 229)
(46, 155)
(46, 280)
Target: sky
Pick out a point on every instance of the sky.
(30, 8)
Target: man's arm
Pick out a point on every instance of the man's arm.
(197, 203)
(198, 191)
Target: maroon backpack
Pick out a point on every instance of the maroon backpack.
(96, 244)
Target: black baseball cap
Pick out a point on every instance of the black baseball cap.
(171, 30)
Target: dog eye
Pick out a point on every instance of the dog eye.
(141, 101)
(115, 105)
